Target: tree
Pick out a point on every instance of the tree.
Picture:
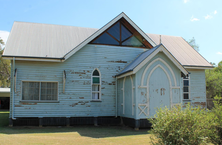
(214, 81)
(193, 44)
(5, 68)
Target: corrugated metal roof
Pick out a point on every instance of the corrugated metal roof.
(44, 40)
(55, 41)
(138, 60)
(181, 50)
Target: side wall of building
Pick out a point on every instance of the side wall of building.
(197, 88)
(76, 101)
(126, 97)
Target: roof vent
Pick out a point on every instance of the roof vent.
(160, 39)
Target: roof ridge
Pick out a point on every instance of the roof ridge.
(53, 24)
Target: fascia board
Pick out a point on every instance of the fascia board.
(34, 59)
(199, 67)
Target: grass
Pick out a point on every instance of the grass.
(70, 135)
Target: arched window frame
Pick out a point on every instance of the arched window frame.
(96, 84)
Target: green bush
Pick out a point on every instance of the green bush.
(216, 127)
(177, 126)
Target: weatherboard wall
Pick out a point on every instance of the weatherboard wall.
(143, 98)
(197, 88)
(126, 97)
(76, 100)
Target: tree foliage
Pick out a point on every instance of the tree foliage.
(5, 69)
(214, 81)
(193, 44)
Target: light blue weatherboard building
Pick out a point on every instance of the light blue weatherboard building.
(65, 75)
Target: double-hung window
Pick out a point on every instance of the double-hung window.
(186, 87)
(96, 85)
(39, 91)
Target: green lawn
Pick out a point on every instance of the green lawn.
(70, 135)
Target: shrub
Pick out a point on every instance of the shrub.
(177, 126)
(216, 127)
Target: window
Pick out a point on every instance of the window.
(121, 34)
(96, 85)
(186, 87)
(40, 91)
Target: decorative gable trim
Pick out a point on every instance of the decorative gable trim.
(104, 28)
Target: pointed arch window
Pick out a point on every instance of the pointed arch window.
(121, 34)
(96, 85)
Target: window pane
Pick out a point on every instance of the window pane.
(49, 90)
(95, 87)
(95, 96)
(133, 41)
(115, 31)
(185, 96)
(95, 80)
(185, 89)
(30, 90)
(105, 39)
(186, 82)
(125, 33)
(95, 73)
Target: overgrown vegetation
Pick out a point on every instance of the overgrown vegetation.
(179, 126)
(5, 69)
(191, 125)
(216, 127)
(214, 81)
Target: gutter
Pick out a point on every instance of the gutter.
(28, 58)
(12, 89)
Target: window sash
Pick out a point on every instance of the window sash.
(186, 87)
(46, 91)
(95, 96)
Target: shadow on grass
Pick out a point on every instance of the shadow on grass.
(86, 130)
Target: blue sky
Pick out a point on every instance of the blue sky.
(201, 19)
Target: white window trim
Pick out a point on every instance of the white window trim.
(188, 78)
(96, 84)
(43, 101)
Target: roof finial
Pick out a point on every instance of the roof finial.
(160, 39)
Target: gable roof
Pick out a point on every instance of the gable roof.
(45, 42)
(145, 57)
(55, 41)
(181, 50)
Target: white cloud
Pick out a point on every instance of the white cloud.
(208, 17)
(194, 19)
(4, 35)
(219, 53)
(185, 1)
(215, 12)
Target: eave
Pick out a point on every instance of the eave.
(29, 58)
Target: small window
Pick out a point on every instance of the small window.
(186, 87)
(96, 85)
(39, 91)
